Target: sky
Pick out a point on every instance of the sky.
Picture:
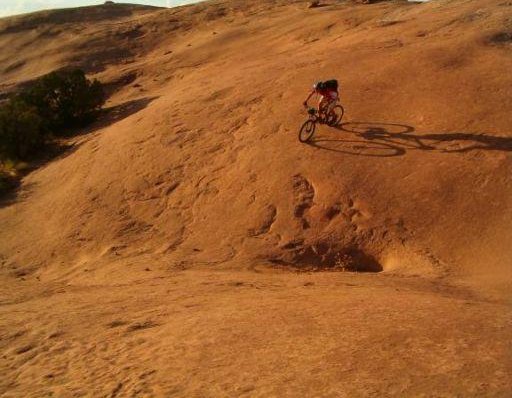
(12, 7)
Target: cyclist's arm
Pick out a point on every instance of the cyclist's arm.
(309, 96)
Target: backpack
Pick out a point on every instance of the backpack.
(331, 84)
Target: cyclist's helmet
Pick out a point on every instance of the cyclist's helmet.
(318, 85)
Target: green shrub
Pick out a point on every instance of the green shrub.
(56, 102)
(65, 99)
(21, 130)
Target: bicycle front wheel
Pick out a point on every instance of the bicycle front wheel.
(307, 130)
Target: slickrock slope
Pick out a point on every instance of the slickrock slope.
(159, 256)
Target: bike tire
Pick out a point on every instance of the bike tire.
(307, 130)
(336, 115)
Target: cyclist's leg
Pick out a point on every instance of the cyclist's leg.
(333, 100)
(322, 105)
(330, 106)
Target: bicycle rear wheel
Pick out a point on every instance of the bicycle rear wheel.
(307, 130)
(335, 116)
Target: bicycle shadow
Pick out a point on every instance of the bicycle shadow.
(377, 139)
(363, 146)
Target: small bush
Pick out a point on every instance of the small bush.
(55, 102)
(21, 130)
(29, 120)
(65, 99)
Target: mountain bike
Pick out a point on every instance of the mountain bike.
(309, 126)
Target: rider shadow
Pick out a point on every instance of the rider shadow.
(393, 139)
(363, 146)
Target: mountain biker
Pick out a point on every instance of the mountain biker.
(328, 92)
